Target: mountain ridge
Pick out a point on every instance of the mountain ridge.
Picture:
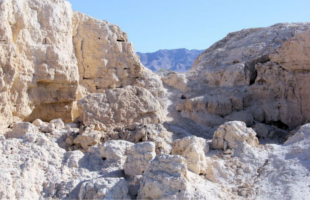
(179, 60)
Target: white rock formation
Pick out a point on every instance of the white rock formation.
(193, 149)
(234, 135)
(87, 138)
(20, 130)
(104, 188)
(109, 110)
(165, 178)
(53, 56)
(39, 74)
(138, 158)
(115, 151)
(251, 75)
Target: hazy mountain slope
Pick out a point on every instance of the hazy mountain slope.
(179, 60)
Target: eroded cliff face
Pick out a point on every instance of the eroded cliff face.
(39, 75)
(254, 75)
(51, 57)
(106, 59)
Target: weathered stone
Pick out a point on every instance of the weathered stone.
(156, 133)
(115, 152)
(261, 130)
(165, 178)
(109, 109)
(21, 129)
(104, 188)
(193, 149)
(138, 158)
(235, 134)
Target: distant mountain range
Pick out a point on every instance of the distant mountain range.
(179, 60)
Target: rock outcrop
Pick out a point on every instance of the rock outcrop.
(115, 152)
(105, 57)
(252, 75)
(52, 56)
(39, 74)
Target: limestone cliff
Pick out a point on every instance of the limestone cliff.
(52, 56)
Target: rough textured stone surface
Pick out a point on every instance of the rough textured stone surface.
(156, 133)
(51, 57)
(88, 138)
(138, 158)
(38, 122)
(261, 130)
(39, 74)
(104, 188)
(165, 177)
(233, 135)
(115, 151)
(253, 74)
(106, 59)
(193, 149)
(21, 129)
(119, 107)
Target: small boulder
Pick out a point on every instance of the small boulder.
(115, 152)
(138, 158)
(261, 130)
(233, 135)
(21, 129)
(193, 149)
(104, 188)
(57, 123)
(87, 138)
(165, 178)
(38, 123)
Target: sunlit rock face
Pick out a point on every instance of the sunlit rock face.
(251, 75)
(52, 56)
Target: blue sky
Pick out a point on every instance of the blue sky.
(191, 24)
